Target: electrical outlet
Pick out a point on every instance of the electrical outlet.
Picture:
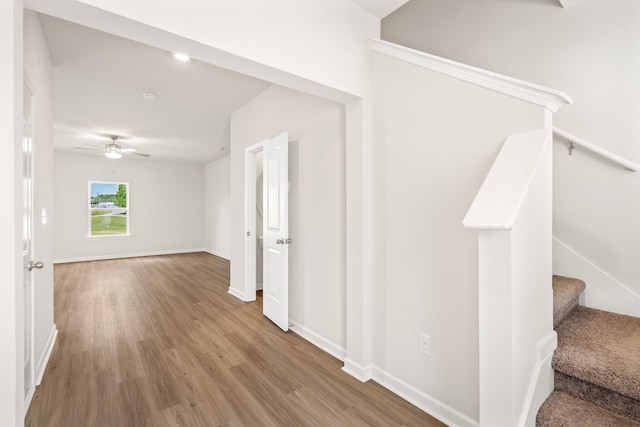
(424, 346)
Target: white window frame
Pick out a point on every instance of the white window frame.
(127, 210)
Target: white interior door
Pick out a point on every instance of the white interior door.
(275, 303)
(27, 236)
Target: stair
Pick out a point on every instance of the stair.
(597, 364)
(566, 292)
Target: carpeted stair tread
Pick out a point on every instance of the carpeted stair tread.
(564, 410)
(565, 296)
(600, 396)
(602, 348)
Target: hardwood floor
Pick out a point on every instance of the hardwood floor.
(158, 341)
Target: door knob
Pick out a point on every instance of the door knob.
(280, 242)
(33, 265)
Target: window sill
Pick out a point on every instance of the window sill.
(107, 237)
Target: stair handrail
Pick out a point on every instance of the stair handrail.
(576, 140)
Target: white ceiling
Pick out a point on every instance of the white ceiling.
(380, 8)
(98, 82)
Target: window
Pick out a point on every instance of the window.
(108, 209)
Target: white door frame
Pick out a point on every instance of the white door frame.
(250, 220)
(28, 298)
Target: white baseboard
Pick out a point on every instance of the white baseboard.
(46, 354)
(236, 293)
(359, 372)
(27, 400)
(131, 255)
(218, 254)
(259, 286)
(319, 341)
(41, 366)
(430, 405)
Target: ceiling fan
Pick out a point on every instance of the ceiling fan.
(113, 150)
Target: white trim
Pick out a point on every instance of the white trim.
(130, 255)
(634, 167)
(427, 403)
(567, 3)
(497, 204)
(545, 97)
(46, 354)
(335, 350)
(218, 254)
(544, 351)
(249, 241)
(29, 300)
(109, 236)
(28, 398)
(359, 372)
(411, 394)
(236, 293)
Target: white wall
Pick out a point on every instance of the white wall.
(435, 139)
(587, 50)
(217, 207)
(166, 202)
(596, 211)
(605, 292)
(38, 68)
(317, 203)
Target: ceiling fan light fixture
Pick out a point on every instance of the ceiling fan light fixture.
(149, 96)
(113, 150)
(112, 154)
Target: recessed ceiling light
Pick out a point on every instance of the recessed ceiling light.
(149, 96)
(181, 57)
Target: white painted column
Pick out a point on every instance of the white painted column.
(496, 328)
(512, 213)
(358, 293)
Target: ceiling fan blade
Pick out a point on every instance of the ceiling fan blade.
(137, 154)
(87, 148)
(113, 147)
(97, 147)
